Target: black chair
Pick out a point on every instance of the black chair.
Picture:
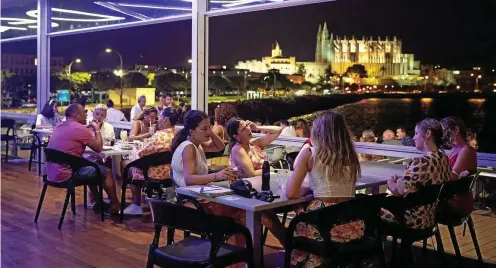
(74, 163)
(144, 164)
(364, 208)
(195, 251)
(398, 205)
(290, 158)
(447, 216)
(9, 135)
(36, 146)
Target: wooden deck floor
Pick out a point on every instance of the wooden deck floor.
(84, 241)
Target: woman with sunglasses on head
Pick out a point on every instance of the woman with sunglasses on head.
(49, 116)
(141, 126)
(246, 152)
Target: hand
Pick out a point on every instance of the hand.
(95, 125)
(394, 178)
(251, 125)
(227, 174)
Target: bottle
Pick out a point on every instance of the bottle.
(266, 174)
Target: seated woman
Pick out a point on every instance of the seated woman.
(368, 136)
(332, 166)
(141, 126)
(431, 168)
(189, 166)
(223, 113)
(247, 154)
(462, 158)
(302, 129)
(161, 141)
(107, 134)
(49, 116)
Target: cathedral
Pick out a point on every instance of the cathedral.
(380, 57)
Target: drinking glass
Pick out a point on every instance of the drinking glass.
(124, 136)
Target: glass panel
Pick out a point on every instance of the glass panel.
(14, 20)
(19, 77)
(72, 15)
(91, 66)
(226, 4)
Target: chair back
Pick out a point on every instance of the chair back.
(216, 228)
(65, 159)
(291, 158)
(458, 187)
(146, 162)
(9, 124)
(364, 208)
(425, 195)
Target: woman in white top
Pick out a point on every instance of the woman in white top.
(49, 116)
(106, 129)
(189, 167)
(332, 166)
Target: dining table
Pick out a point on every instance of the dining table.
(374, 175)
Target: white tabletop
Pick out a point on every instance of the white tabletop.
(110, 151)
(43, 130)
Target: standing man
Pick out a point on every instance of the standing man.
(138, 108)
(114, 115)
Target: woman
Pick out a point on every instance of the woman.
(161, 141)
(189, 166)
(302, 129)
(223, 113)
(106, 129)
(368, 136)
(49, 116)
(141, 126)
(431, 168)
(247, 154)
(333, 168)
(462, 158)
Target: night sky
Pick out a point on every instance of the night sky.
(457, 34)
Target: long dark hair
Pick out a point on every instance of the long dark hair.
(232, 127)
(191, 121)
(48, 110)
(449, 124)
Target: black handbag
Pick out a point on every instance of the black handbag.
(245, 189)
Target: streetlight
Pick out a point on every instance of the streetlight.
(70, 65)
(477, 81)
(190, 61)
(109, 50)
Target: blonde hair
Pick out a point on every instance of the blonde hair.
(102, 107)
(368, 136)
(334, 148)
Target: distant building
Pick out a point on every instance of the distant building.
(26, 64)
(380, 57)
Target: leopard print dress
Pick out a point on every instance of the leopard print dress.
(429, 169)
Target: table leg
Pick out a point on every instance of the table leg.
(254, 224)
(115, 172)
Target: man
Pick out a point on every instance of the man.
(287, 130)
(114, 115)
(164, 101)
(405, 140)
(72, 137)
(389, 138)
(89, 113)
(138, 108)
(160, 142)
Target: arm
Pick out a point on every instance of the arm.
(272, 133)
(244, 162)
(218, 130)
(96, 144)
(189, 169)
(135, 135)
(295, 189)
(215, 144)
(402, 185)
(464, 162)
